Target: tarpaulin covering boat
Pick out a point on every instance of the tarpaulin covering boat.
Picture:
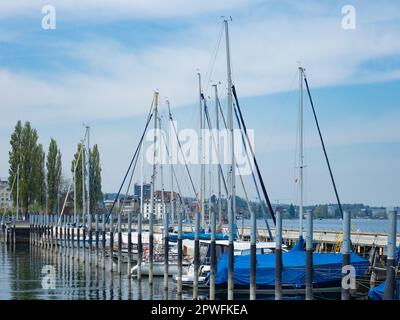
(327, 269)
(378, 292)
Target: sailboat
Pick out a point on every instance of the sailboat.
(327, 267)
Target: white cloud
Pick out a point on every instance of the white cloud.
(120, 9)
(118, 81)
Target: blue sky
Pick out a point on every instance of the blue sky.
(104, 60)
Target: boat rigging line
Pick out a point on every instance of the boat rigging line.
(323, 144)
(254, 157)
(150, 115)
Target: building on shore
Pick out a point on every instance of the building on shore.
(5, 195)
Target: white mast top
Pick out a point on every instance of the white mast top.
(301, 70)
(201, 154)
(231, 171)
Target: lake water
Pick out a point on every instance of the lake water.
(358, 225)
(22, 267)
(21, 278)
(22, 272)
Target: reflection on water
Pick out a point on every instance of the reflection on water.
(21, 278)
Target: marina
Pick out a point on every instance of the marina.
(87, 271)
(193, 209)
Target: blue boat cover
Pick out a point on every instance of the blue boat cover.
(203, 235)
(378, 292)
(327, 268)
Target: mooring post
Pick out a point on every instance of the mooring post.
(30, 229)
(139, 238)
(49, 221)
(309, 256)
(391, 255)
(53, 220)
(37, 232)
(111, 240)
(166, 251)
(41, 232)
(119, 242)
(84, 235)
(51, 231)
(278, 256)
(103, 239)
(69, 234)
(78, 237)
(196, 262)
(56, 240)
(180, 254)
(213, 254)
(61, 241)
(97, 238)
(64, 224)
(346, 249)
(65, 233)
(14, 231)
(47, 232)
(73, 218)
(45, 240)
(90, 230)
(253, 255)
(40, 217)
(129, 242)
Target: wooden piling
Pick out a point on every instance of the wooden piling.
(97, 238)
(111, 240)
(180, 254)
(78, 236)
(103, 240)
(391, 255)
(119, 242)
(346, 248)
(278, 256)
(129, 243)
(309, 256)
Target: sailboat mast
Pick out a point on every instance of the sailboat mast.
(153, 176)
(139, 219)
(301, 150)
(83, 186)
(231, 171)
(202, 156)
(200, 205)
(172, 208)
(88, 184)
(218, 155)
(17, 213)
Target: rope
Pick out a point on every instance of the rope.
(150, 115)
(323, 144)
(254, 158)
(183, 155)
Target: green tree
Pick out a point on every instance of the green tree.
(96, 194)
(41, 177)
(292, 212)
(54, 171)
(78, 176)
(14, 159)
(26, 156)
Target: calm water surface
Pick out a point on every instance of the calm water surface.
(21, 272)
(21, 278)
(358, 225)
